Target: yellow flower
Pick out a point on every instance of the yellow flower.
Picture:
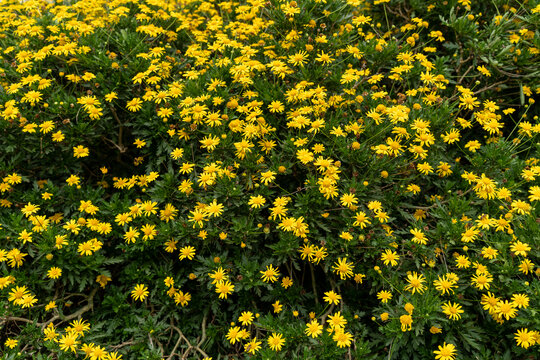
(390, 257)
(331, 297)
(443, 169)
(313, 328)
(209, 143)
(256, 201)
(187, 252)
(424, 168)
(286, 282)
(50, 305)
(182, 298)
(73, 180)
(489, 302)
(415, 189)
(131, 235)
(139, 143)
(218, 275)
(483, 70)
(140, 292)
(524, 338)
(384, 296)
(80, 151)
(299, 58)
(452, 310)
(270, 274)
(267, 177)
(415, 283)
(342, 338)
(86, 248)
(111, 96)
(54, 272)
(324, 58)
(214, 209)
(177, 153)
(252, 346)
(276, 341)
(224, 288)
(519, 248)
(25, 236)
(462, 261)
(520, 301)
(32, 96)
(481, 281)
(406, 322)
(27, 301)
(197, 216)
(343, 268)
(233, 335)
(134, 105)
(359, 278)
(361, 219)
(419, 236)
(276, 107)
(277, 307)
(445, 284)
(11, 343)
(409, 308)
(348, 200)
(246, 318)
(114, 356)
(336, 320)
(505, 309)
(445, 352)
(68, 342)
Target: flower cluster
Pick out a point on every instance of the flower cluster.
(198, 178)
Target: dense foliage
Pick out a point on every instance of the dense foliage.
(311, 179)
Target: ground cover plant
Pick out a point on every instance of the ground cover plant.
(274, 179)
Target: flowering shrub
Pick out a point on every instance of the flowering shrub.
(269, 180)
